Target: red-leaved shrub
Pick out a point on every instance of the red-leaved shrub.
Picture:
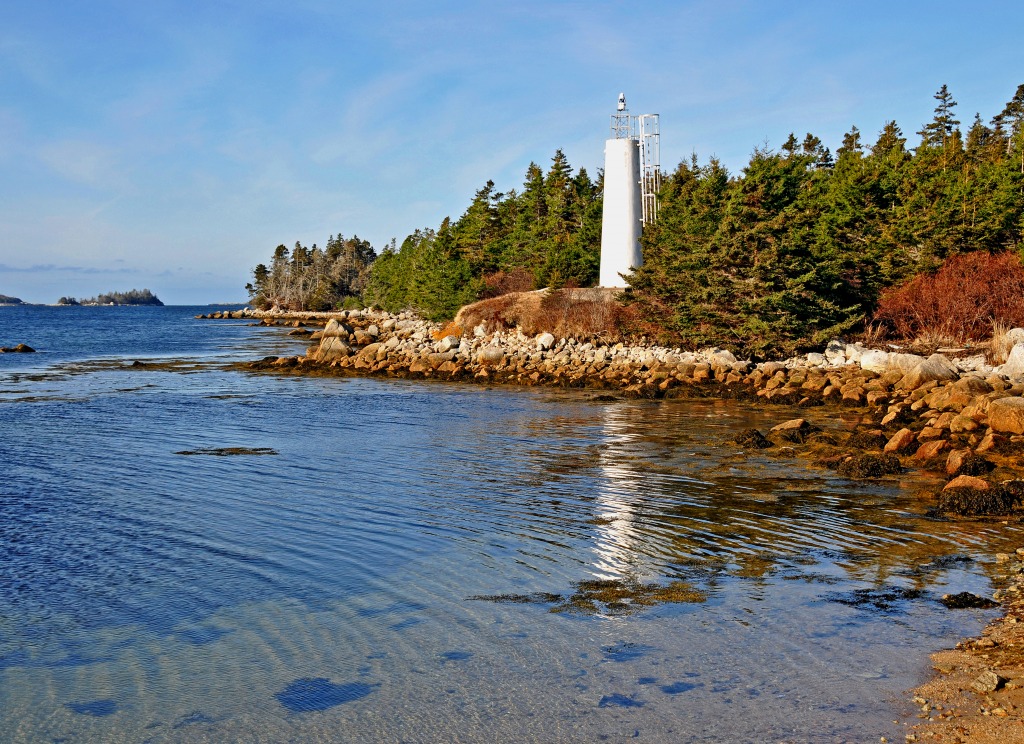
(959, 302)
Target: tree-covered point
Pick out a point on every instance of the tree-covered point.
(6, 300)
(131, 297)
(313, 278)
(550, 231)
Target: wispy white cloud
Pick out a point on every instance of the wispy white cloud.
(55, 269)
(83, 162)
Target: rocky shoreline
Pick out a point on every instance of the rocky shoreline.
(953, 416)
(956, 415)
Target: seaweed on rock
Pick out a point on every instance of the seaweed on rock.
(869, 466)
(972, 502)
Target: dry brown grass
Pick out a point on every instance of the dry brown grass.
(578, 313)
(1001, 344)
(872, 335)
(451, 329)
(505, 282)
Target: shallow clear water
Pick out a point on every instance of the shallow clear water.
(355, 585)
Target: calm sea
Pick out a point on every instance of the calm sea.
(425, 562)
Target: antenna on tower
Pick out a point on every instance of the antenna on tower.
(622, 122)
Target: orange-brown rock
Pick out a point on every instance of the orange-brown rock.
(989, 442)
(967, 481)
(901, 441)
(931, 449)
(1006, 415)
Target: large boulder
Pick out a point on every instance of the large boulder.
(334, 329)
(874, 360)
(448, 343)
(794, 430)
(1006, 415)
(904, 362)
(1014, 365)
(331, 349)
(370, 351)
(1014, 336)
(835, 352)
(723, 356)
(491, 356)
(959, 394)
(935, 368)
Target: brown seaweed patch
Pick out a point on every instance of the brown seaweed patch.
(822, 439)
(624, 596)
(967, 601)
(866, 440)
(869, 466)
(973, 464)
(228, 451)
(532, 598)
(756, 566)
(605, 596)
(885, 599)
(753, 439)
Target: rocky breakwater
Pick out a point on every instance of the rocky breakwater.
(404, 346)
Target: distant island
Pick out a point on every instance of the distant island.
(131, 297)
(5, 300)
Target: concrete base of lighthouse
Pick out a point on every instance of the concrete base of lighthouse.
(623, 218)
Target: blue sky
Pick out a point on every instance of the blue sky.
(172, 145)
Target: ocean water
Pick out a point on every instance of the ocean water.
(360, 560)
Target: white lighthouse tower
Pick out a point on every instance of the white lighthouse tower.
(631, 179)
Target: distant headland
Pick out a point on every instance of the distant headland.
(5, 300)
(131, 297)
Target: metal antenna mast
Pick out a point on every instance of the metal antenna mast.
(650, 166)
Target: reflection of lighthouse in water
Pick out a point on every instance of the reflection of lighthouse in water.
(618, 493)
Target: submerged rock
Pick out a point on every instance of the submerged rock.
(967, 601)
(318, 693)
(753, 439)
(795, 430)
